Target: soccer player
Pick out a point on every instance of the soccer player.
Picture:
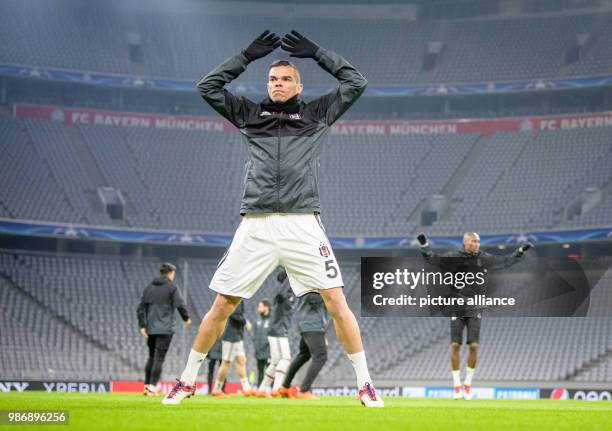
(260, 338)
(232, 348)
(312, 322)
(283, 136)
(468, 316)
(278, 339)
(156, 321)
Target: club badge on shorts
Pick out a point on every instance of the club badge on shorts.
(323, 250)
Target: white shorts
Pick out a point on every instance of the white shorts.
(232, 349)
(262, 242)
(279, 349)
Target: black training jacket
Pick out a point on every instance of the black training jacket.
(156, 308)
(462, 261)
(281, 170)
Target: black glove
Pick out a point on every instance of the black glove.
(298, 45)
(262, 46)
(523, 248)
(422, 239)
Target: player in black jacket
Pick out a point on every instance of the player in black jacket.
(471, 259)
(156, 321)
(283, 137)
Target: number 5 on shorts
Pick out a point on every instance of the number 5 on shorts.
(330, 269)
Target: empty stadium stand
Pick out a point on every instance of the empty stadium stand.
(527, 179)
(185, 45)
(370, 185)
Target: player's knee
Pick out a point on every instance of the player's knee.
(304, 357)
(320, 358)
(335, 302)
(455, 347)
(224, 306)
(160, 355)
(473, 347)
(283, 364)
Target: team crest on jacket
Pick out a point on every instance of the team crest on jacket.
(324, 250)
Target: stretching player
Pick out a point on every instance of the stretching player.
(283, 136)
(468, 316)
(278, 339)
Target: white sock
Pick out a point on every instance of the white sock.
(279, 373)
(361, 368)
(193, 366)
(245, 385)
(468, 375)
(456, 378)
(218, 387)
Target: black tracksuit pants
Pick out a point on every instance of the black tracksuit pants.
(312, 345)
(158, 345)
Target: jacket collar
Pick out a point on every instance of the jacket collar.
(468, 254)
(161, 281)
(291, 106)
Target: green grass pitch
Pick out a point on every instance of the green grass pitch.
(135, 412)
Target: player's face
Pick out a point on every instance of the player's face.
(262, 309)
(283, 84)
(171, 275)
(471, 244)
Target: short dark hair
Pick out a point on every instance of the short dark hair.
(166, 268)
(287, 63)
(282, 276)
(266, 303)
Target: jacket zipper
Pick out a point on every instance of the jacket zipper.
(278, 151)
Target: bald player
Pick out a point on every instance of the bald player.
(467, 317)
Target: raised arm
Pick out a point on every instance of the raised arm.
(426, 251)
(211, 87)
(352, 83)
(505, 262)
